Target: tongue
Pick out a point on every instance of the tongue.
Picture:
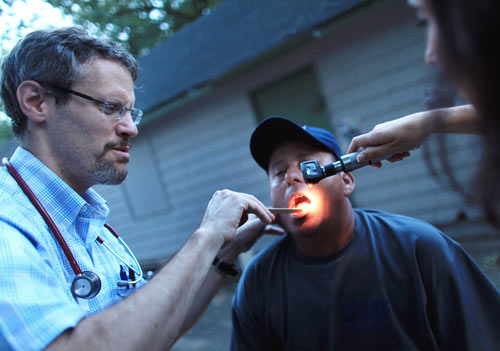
(301, 202)
(304, 206)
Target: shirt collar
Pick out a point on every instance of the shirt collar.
(60, 200)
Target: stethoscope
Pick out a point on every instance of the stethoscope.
(87, 284)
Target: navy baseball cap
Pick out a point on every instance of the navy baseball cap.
(273, 131)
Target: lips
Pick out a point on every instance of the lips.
(298, 199)
(301, 201)
(124, 148)
(121, 150)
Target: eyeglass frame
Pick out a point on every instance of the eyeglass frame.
(138, 112)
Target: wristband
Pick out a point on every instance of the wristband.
(225, 267)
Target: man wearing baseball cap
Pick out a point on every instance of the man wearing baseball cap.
(353, 279)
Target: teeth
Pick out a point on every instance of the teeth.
(298, 199)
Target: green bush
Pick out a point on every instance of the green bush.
(5, 131)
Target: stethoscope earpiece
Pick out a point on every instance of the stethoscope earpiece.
(86, 285)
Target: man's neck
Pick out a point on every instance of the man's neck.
(53, 166)
(328, 240)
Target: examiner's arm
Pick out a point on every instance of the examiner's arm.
(151, 318)
(246, 236)
(397, 137)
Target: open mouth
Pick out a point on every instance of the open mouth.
(300, 201)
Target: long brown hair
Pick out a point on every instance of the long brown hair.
(470, 58)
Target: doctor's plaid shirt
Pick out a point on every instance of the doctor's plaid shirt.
(36, 304)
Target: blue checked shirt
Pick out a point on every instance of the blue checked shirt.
(36, 304)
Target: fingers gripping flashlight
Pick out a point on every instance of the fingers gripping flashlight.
(313, 172)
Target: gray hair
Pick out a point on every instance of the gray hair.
(53, 57)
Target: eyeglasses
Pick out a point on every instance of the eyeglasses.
(109, 108)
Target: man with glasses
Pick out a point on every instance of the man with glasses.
(108, 107)
(71, 101)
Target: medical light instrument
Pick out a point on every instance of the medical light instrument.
(313, 172)
(86, 284)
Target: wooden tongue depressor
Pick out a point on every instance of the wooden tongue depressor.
(276, 210)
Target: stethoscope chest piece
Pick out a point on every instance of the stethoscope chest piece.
(86, 285)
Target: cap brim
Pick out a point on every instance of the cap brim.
(272, 132)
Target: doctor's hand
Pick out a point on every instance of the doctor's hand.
(227, 210)
(394, 138)
(251, 231)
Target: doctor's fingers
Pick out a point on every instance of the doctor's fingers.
(256, 207)
(227, 201)
(372, 140)
(381, 144)
(399, 157)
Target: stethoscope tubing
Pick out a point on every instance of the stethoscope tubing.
(101, 241)
(53, 227)
(34, 200)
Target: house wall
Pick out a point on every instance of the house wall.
(371, 69)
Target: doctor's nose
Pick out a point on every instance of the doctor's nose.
(126, 127)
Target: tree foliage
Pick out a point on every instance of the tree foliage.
(5, 131)
(141, 24)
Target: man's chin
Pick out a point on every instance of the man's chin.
(109, 174)
(301, 227)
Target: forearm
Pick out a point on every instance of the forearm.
(394, 139)
(459, 119)
(151, 318)
(213, 282)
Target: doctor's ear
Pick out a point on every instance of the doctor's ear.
(33, 100)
